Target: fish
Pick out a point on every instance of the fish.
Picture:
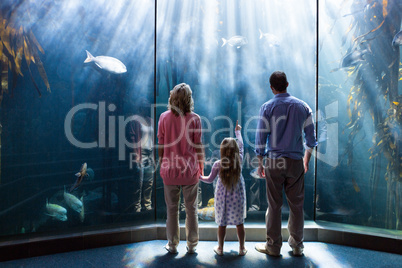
(355, 186)
(272, 40)
(73, 202)
(235, 41)
(91, 174)
(80, 176)
(106, 63)
(397, 41)
(55, 211)
(354, 57)
(42, 71)
(254, 174)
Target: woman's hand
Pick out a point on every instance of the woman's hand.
(238, 127)
(202, 168)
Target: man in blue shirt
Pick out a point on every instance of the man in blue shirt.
(279, 137)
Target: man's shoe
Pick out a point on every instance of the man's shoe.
(261, 247)
(298, 251)
(171, 250)
(190, 250)
(254, 208)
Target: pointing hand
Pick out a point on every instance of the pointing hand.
(238, 127)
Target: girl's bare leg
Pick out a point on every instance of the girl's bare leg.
(221, 236)
(241, 234)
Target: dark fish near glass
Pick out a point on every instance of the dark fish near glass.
(397, 41)
(354, 57)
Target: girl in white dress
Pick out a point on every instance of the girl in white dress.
(230, 194)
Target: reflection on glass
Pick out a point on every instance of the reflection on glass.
(142, 135)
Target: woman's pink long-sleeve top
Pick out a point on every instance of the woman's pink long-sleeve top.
(179, 135)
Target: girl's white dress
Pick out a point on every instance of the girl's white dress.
(230, 204)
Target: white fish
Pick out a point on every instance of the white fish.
(272, 40)
(73, 202)
(235, 41)
(106, 63)
(56, 211)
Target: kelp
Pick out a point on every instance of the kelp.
(17, 44)
(375, 89)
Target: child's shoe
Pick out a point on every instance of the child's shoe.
(218, 251)
(243, 251)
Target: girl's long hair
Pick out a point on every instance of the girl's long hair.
(230, 170)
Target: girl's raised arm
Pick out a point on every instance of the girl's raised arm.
(239, 140)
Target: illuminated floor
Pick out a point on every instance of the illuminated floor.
(152, 254)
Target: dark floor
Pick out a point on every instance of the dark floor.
(152, 254)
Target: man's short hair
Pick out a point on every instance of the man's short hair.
(278, 81)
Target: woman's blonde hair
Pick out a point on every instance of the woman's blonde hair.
(181, 101)
(230, 170)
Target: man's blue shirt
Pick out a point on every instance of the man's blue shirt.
(281, 122)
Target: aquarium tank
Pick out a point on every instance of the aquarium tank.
(83, 84)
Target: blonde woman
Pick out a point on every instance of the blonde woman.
(181, 159)
(230, 194)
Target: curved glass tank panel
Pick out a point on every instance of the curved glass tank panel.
(226, 51)
(66, 137)
(359, 171)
